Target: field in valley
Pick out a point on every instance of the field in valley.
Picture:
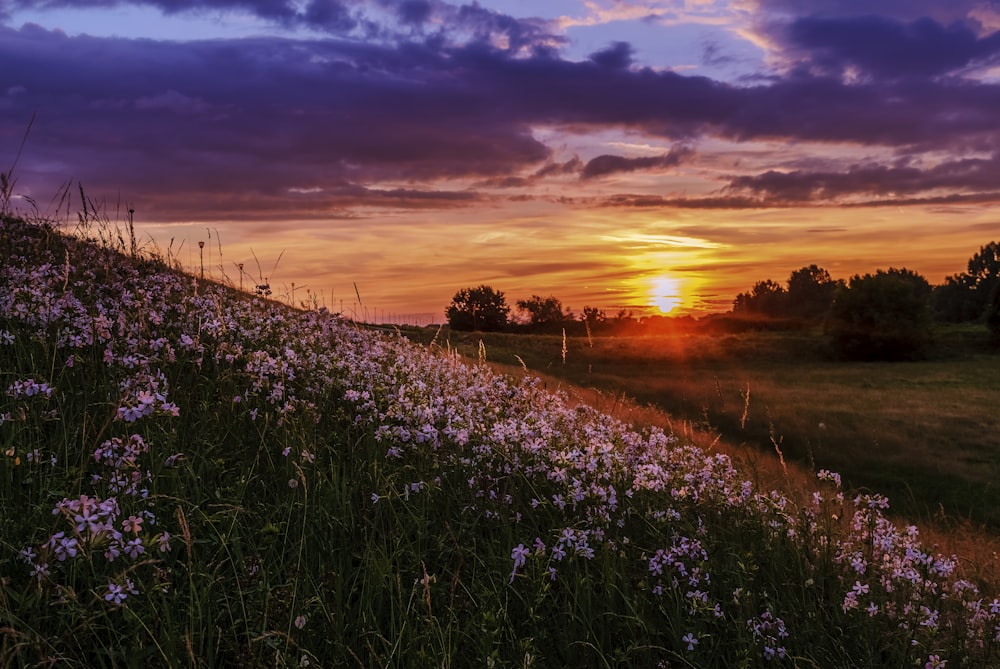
(926, 434)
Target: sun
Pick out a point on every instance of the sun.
(665, 294)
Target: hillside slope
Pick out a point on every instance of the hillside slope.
(195, 477)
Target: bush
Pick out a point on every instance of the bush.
(967, 296)
(881, 316)
(482, 309)
(993, 314)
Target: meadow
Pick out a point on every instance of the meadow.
(195, 477)
(925, 433)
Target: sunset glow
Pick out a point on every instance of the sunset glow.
(382, 156)
(666, 294)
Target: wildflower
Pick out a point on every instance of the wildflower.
(300, 622)
(518, 555)
(65, 547)
(770, 653)
(132, 524)
(163, 540)
(89, 519)
(935, 662)
(134, 548)
(116, 594)
(690, 640)
(827, 475)
(40, 570)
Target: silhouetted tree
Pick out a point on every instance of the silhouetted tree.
(954, 301)
(993, 313)
(544, 312)
(766, 297)
(881, 316)
(593, 316)
(966, 296)
(810, 291)
(482, 309)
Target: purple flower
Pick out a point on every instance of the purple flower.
(518, 555)
(134, 548)
(116, 594)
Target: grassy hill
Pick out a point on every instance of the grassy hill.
(194, 477)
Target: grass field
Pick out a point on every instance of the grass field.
(925, 433)
(195, 477)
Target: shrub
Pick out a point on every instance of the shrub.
(881, 316)
(967, 296)
(993, 313)
(481, 308)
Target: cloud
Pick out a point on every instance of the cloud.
(903, 10)
(414, 11)
(255, 116)
(884, 48)
(965, 177)
(571, 166)
(380, 20)
(608, 164)
(231, 126)
(616, 57)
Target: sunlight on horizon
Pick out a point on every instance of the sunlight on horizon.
(666, 293)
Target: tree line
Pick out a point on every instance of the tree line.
(884, 315)
(484, 309)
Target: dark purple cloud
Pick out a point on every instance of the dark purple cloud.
(964, 177)
(572, 166)
(885, 48)
(224, 124)
(275, 10)
(371, 19)
(259, 116)
(414, 11)
(609, 164)
(616, 57)
(942, 11)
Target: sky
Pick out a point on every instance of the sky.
(377, 156)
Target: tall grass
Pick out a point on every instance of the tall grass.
(194, 477)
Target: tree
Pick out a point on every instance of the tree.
(966, 296)
(482, 309)
(810, 291)
(881, 316)
(954, 301)
(766, 297)
(544, 312)
(993, 313)
(593, 316)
